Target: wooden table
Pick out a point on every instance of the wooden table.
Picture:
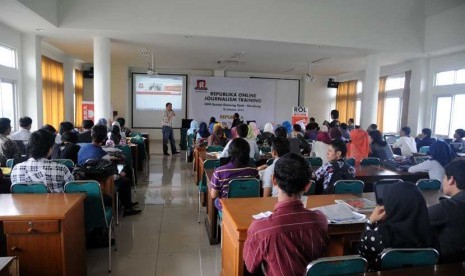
(441, 269)
(237, 217)
(371, 174)
(46, 232)
(9, 266)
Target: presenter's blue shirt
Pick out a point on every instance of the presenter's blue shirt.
(90, 151)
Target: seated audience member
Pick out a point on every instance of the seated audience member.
(103, 122)
(38, 168)
(242, 131)
(279, 147)
(226, 130)
(441, 155)
(253, 130)
(312, 120)
(114, 137)
(211, 123)
(50, 129)
(203, 132)
(122, 135)
(378, 147)
(238, 166)
(351, 124)
(359, 146)
(8, 148)
(334, 118)
(372, 127)
(424, 138)
(293, 236)
(311, 130)
(64, 126)
(68, 148)
(320, 147)
(298, 144)
(236, 120)
(24, 132)
(345, 131)
(406, 143)
(268, 132)
(122, 122)
(288, 127)
(217, 137)
(459, 135)
(335, 134)
(336, 168)
(85, 137)
(193, 129)
(94, 151)
(401, 223)
(447, 217)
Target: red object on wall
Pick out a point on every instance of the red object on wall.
(88, 110)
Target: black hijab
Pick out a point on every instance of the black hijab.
(407, 222)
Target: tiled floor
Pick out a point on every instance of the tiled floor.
(166, 238)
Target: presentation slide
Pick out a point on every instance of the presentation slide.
(153, 92)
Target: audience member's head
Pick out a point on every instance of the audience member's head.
(297, 127)
(454, 179)
(335, 133)
(426, 133)
(242, 130)
(459, 134)
(239, 150)
(377, 138)
(287, 125)
(372, 127)
(25, 122)
(236, 116)
(441, 152)
(115, 134)
(65, 126)
(351, 121)
(87, 124)
(336, 150)
(405, 131)
(102, 121)
(292, 174)
(121, 121)
(334, 114)
(280, 132)
(268, 128)
(203, 130)
(49, 128)
(344, 126)
(218, 130)
(212, 120)
(280, 146)
(312, 120)
(99, 134)
(40, 144)
(69, 137)
(5, 126)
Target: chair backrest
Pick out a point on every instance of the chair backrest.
(392, 258)
(370, 161)
(348, 187)
(350, 161)
(67, 162)
(424, 149)
(270, 161)
(94, 209)
(190, 140)
(29, 188)
(429, 184)
(214, 148)
(244, 187)
(315, 161)
(311, 190)
(264, 149)
(9, 163)
(387, 180)
(127, 153)
(208, 164)
(328, 266)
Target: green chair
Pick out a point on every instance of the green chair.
(67, 162)
(9, 163)
(29, 188)
(429, 184)
(311, 190)
(244, 187)
(270, 161)
(136, 138)
(370, 161)
(314, 161)
(328, 266)
(424, 149)
(393, 258)
(96, 214)
(203, 185)
(214, 148)
(350, 161)
(348, 187)
(264, 149)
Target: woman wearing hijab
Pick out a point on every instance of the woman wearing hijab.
(320, 147)
(194, 127)
(268, 132)
(378, 147)
(287, 125)
(217, 137)
(402, 222)
(441, 155)
(359, 146)
(203, 132)
(253, 130)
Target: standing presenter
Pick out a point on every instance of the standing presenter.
(167, 129)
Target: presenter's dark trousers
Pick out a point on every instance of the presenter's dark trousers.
(168, 135)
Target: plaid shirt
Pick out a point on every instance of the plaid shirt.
(53, 174)
(167, 118)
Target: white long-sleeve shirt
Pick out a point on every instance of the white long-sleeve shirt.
(407, 145)
(254, 152)
(433, 167)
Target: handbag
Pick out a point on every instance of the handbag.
(95, 170)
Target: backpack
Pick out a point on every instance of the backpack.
(339, 173)
(95, 170)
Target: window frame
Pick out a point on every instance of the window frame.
(435, 105)
(14, 120)
(449, 70)
(15, 56)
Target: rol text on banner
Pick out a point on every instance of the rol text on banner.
(220, 97)
(299, 115)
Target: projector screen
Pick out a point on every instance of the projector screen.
(150, 95)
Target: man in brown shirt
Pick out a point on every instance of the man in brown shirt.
(293, 236)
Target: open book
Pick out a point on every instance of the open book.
(341, 213)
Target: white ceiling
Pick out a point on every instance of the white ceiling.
(184, 48)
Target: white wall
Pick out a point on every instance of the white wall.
(319, 98)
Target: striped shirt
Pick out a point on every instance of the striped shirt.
(167, 118)
(222, 176)
(287, 241)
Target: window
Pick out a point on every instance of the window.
(358, 110)
(7, 56)
(359, 87)
(7, 101)
(458, 114)
(395, 83)
(392, 110)
(450, 77)
(443, 110)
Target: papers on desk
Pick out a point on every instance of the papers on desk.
(358, 204)
(216, 154)
(341, 214)
(262, 215)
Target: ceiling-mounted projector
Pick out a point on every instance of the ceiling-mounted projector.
(152, 72)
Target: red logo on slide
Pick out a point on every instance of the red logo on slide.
(201, 85)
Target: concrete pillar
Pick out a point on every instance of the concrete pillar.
(369, 106)
(102, 84)
(417, 104)
(68, 68)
